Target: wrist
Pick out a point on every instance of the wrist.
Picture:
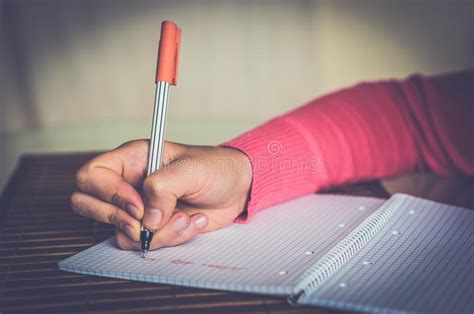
(243, 174)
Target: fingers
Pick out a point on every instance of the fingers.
(89, 206)
(129, 161)
(180, 229)
(161, 191)
(112, 176)
(109, 186)
(218, 218)
(197, 225)
(107, 193)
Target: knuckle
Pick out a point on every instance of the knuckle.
(154, 187)
(112, 217)
(117, 200)
(76, 203)
(81, 177)
(129, 143)
(84, 174)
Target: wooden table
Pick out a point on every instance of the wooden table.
(38, 229)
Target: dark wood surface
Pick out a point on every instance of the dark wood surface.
(38, 229)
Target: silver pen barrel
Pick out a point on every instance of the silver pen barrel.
(155, 154)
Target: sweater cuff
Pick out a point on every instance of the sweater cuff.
(285, 163)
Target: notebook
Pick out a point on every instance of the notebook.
(404, 254)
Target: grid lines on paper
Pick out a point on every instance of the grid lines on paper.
(267, 255)
(422, 261)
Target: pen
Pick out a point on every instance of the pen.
(166, 75)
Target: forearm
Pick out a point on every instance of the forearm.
(369, 131)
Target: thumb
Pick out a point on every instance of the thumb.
(161, 191)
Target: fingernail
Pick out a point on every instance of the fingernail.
(201, 222)
(132, 210)
(154, 218)
(180, 224)
(129, 231)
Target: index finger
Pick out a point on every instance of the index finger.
(113, 175)
(107, 185)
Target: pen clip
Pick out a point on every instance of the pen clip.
(168, 53)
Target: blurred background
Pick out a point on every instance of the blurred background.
(78, 75)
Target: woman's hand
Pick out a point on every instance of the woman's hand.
(198, 189)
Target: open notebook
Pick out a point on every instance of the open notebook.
(405, 254)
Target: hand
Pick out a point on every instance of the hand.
(198, 189)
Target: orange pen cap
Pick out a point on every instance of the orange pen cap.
(168, 53)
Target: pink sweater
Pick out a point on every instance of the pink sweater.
(365, 132)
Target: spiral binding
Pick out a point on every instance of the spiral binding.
(344, 250)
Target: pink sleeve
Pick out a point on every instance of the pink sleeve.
(368, 131)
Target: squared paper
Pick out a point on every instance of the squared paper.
(420, 261)
(267, 255)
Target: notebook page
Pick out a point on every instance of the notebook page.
(420, 261)
(267, 255)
